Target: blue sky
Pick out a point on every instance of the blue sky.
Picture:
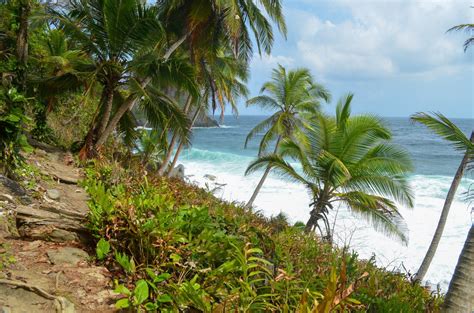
(394, 55)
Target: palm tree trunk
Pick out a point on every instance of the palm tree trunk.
(181, 144)
(109, 98)
(174, 138)
(262, 180)
(460, 296)
(444, 215)
(22, 42)
(126, 105)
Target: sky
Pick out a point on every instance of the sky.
(394, 55)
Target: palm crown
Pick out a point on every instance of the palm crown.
(347, 159)
(291, 94)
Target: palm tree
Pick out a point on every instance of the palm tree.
(350, 160)
(206, 26)
(223, 80)
(291, 94)
(112, 35)
(449, 131)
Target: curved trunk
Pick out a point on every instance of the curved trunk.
(181, 144)
(109, 98)
(262, 180)
(460, 296)
(174, 138)
(442, 219)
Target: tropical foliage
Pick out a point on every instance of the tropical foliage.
(350, 160)
(179, 248)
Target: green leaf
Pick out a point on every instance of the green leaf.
(140, 292)
(162, 277)
(122, 303)
(102, 249)
(121, 289)
(165, 298)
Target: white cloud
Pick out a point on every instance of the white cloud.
(378, 39)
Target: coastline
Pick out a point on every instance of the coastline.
(279, 196)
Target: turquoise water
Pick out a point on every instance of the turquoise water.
(220, 152)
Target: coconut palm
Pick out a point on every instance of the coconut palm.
(222, 79)
(292, 94)
(449, 131)
(206, 26)
(350, 160)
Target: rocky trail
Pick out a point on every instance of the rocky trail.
(46, 259)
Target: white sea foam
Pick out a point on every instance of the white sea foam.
(278, 196)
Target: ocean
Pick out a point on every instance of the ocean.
(220, 152)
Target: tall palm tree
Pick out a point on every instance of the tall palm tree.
(207, 26)
(112, 34)
(222, 81)
(291, 94)
(350, 160)
(449, 131)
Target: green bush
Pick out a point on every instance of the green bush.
(12, 125)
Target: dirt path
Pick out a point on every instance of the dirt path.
(45, 255)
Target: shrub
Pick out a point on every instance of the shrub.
(176, 247)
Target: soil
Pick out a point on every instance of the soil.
(46, 258)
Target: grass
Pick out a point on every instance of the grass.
(174, 247)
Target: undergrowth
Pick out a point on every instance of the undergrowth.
(174, 247)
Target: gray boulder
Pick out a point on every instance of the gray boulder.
(178, 172)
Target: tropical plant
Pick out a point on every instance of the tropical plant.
(350, 160)
(12, 124)
(121, 55)
(446, 129)
(292, 94)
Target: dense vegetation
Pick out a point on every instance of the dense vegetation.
(176, 247)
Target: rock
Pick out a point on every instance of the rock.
(210, 177)
(12, 188)
(6, 197)
(40, 152)
(205, 121)
(5, 309)
(53, 194)
(178, 172)
(67, 255)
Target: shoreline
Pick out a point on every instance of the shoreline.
(350, 229)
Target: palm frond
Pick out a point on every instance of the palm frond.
(442, 126)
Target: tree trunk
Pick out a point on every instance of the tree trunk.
(181, 144)
(262, 180)
(460, 296)
(109, 98)
(22, 43)
(174, 138)
(444, 215)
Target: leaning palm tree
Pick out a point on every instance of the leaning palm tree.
(222, 79)
(204, 26)
(449, 131)
(350, 160)
(292, 94)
